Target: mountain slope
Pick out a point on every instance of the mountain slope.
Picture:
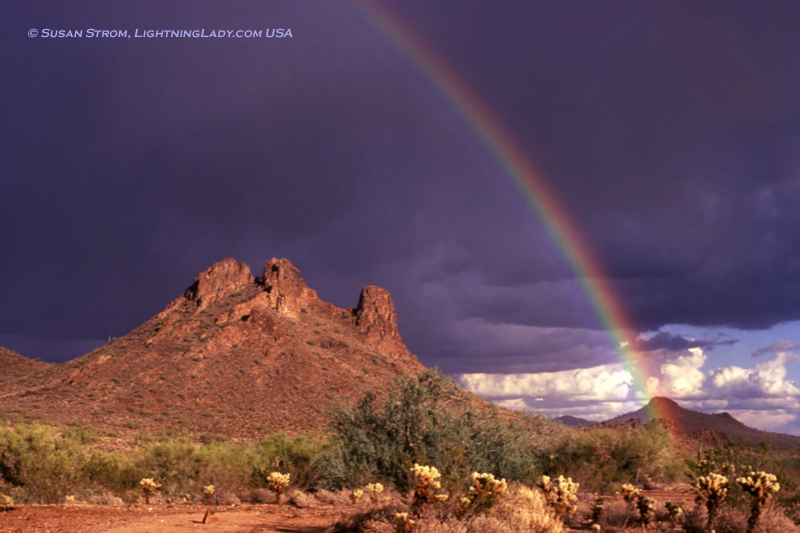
(694, 423)
(15, 366)
(235, 354)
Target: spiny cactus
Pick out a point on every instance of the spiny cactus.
(149, 487)
(675, 511)
(559, 494)
(484, 493)
(374, 490)
(760, 486)
(404, 523)
(629, 493)
(427, 484)
(208, 493)
(278, 483)
(712, 489)
(647, 509)
(357, 494)
(597, 508)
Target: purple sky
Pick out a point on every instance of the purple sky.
(670, 131)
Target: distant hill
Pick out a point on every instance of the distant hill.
(235, 354)
(573, 421)
(700, 425)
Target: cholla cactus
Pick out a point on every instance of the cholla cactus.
(559, 494)
(427, 484)
(149, 487)
(647, 509)
(69, 500)
(712, 488)
(208, 492)
(357, 494)
(675, 511)
(278, 483)
(374, 490)
(760, 486)
(597, 508)
(629, 493)
(6, 501)
(404, 523)
(484, 493)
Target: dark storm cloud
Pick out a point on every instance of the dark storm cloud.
(669, 130)
(663, 340)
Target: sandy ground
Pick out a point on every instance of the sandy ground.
(105, 519)
(80, 518)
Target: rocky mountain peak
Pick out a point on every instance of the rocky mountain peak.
(286, 289)
(375, 314)
(223, 279)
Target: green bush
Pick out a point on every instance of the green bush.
(425, 419)
(599, 458)
(42, 461)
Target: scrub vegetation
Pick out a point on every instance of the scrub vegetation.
(428, 461)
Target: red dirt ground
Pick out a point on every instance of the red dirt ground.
(157, 518)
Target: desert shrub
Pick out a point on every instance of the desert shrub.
(111, 472)
(176, 465)
(602, 457)
(41, 462)
(296, 455)
(301, 499)
(424, 419)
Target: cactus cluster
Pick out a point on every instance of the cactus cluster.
(761, 486)
(484, 493)
(427, 483)
(208, 492)
(374, 490)
(675, 511)
(647, 509)
(559, 494)
(357, 494)
(405, 524)
(629, 493)
(597, 508)
(712, 489)
(278, 483)
(149, 487)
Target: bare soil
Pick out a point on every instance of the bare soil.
(108, 519)
(267, 518)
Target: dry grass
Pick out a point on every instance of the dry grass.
(301, 500)
(521, 510)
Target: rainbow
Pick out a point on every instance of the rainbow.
(528, 180)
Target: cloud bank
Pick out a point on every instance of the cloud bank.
(762, 396)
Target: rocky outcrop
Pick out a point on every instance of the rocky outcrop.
(223, 279)
(376, 319)
(375, 315)
(287, 292)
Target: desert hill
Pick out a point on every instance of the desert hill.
(15, 366)
(573, 421)
(235, 354)
(700, 426)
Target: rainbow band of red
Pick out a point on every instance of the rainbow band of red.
(528, 180)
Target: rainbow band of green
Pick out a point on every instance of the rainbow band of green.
(527, 179)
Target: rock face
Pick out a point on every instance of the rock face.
(287, 292)
(235, 355)
(221, 280)
(377, 320)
